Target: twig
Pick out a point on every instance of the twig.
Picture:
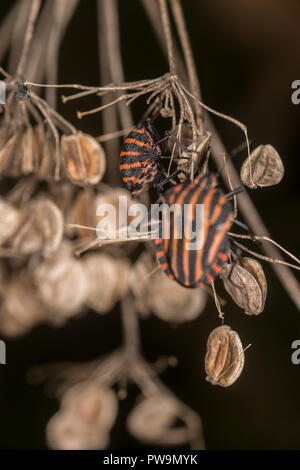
(114, 55)
(189, 59)
(168, 35)
(34, 11)
(265, 258)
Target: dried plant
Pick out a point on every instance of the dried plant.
(48, 216)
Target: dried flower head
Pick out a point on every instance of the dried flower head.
(264, 167)
(245, 282)
(224, 359)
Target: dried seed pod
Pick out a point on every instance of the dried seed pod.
(245, 282)
(21, 308)
(264, 165)
(165, 298)
(108, 280)
(27, 164)
(116, 198)
(62, 284)
(9, 220)
(38, 145)
(11, 155)
(84, 421)
(41, 228)
(153, 421)
(224, 359)
(84, 158)
(4, 134)
(46, 167)
(84, 211)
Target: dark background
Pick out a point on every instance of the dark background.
(247, 55)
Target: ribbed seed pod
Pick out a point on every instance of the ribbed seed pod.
(84, 158)
(245, 282)
(165, 298)
(62, 284)
(153, 420)
(264, 167)
(21, 309)
(84, 211)
(87, 414)
(9, 220)
(27, 149)
(41, 228)
(224, 359)
(107, 279)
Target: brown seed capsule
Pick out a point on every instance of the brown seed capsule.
(21, 308)
(165, 298)
(84, 212)
(41, 228)
(245, 282)
(38, 145)
(46, 167)
(61, 284)
(264, 167)
(153, 421)
(10, 161)
(84, 158)
(107, 280)
(27, 164)
(117, 198)
(9, 220)
(224, 359)
(87, 413)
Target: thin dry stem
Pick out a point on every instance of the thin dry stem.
(34, 11)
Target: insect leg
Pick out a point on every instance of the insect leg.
(235, 191)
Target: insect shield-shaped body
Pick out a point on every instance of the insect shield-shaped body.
(194, 260)
(139, 164)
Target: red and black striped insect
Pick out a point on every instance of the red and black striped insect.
(140, 157)
(199, 266)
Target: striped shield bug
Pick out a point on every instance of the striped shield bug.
(139, 164)
(200, 265)
(141, 158)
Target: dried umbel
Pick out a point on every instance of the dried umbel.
(245, 282)
(21, 309)
(62, 284)
(9, 220)
(264, 167)
(83, 157)
(165, 298)
(224, 359)
(153, 421)
(107, 279)
(87, 414)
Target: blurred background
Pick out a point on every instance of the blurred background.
(247, 55)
